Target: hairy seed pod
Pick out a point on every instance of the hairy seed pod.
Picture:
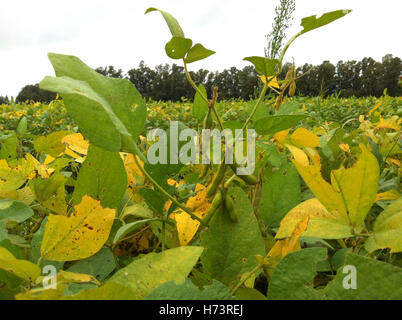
(249, 179)
(292, 88)
(216, 181)
(216, 203)
(231, 209)
(278, 101)
(208, 121)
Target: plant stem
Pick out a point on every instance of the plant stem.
(342, 243)
(258, 267)
(193, 83)
(165, 193)
(287, 47)
(211, 104)
(262, 95)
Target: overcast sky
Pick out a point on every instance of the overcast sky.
(118, 33)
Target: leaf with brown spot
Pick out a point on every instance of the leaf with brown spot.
(79, 236)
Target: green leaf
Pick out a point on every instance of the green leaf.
(281, 194)
(50, 192)
(274, 124)
(245, 293)
(152, 270)
(376, 280)
(200, 106)
(107, 110)
(22, 126)
(154, 199)
(272, 154)
(103, 177)
(51, 144)
(387, 229)
(8, 146)
(128, 228)
(137, 210)
(12, 211)
(289, 107)
(265, 66)
(100, 266)
(188, 291)
(109, 291)
(178, 47)
(171, 21)
(312, 22)
(198, 52)
(230, 247)
(293, 276)
(9, 283)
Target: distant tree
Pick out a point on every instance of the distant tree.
(110, 71)
(392, 70)
(248, 82)
(326, 78)
(143, 78)
(33, 92)
(371, 78)
(4, 100)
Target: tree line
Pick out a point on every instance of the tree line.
(168, 82)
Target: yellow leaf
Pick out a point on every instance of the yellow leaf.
(391, 123)
(77, 143)
(299, 155)
(394, 161)
(71, 277)
(187, 227)
(376, 107)
(21, 268)
(24, 195)
(42, 169)
(344, 146)
(79, 236)
(283, 247)
(389, 195)
(353, 191)
(49, 159)
(135, 177)
(273, 82)
(358, 185)
(322, 223)
(12, 178)
(281, 136)
(303, 138)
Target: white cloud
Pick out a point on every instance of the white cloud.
(118, 33)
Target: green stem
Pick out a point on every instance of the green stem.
(211, 104)
(227, 183)
(258, 267)
(193, 83)
(165, 193)
(342, 243)
(287, 47)
(262, 95)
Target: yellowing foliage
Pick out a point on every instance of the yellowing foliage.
(186, 226)
(79, 236)
(21, 268)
